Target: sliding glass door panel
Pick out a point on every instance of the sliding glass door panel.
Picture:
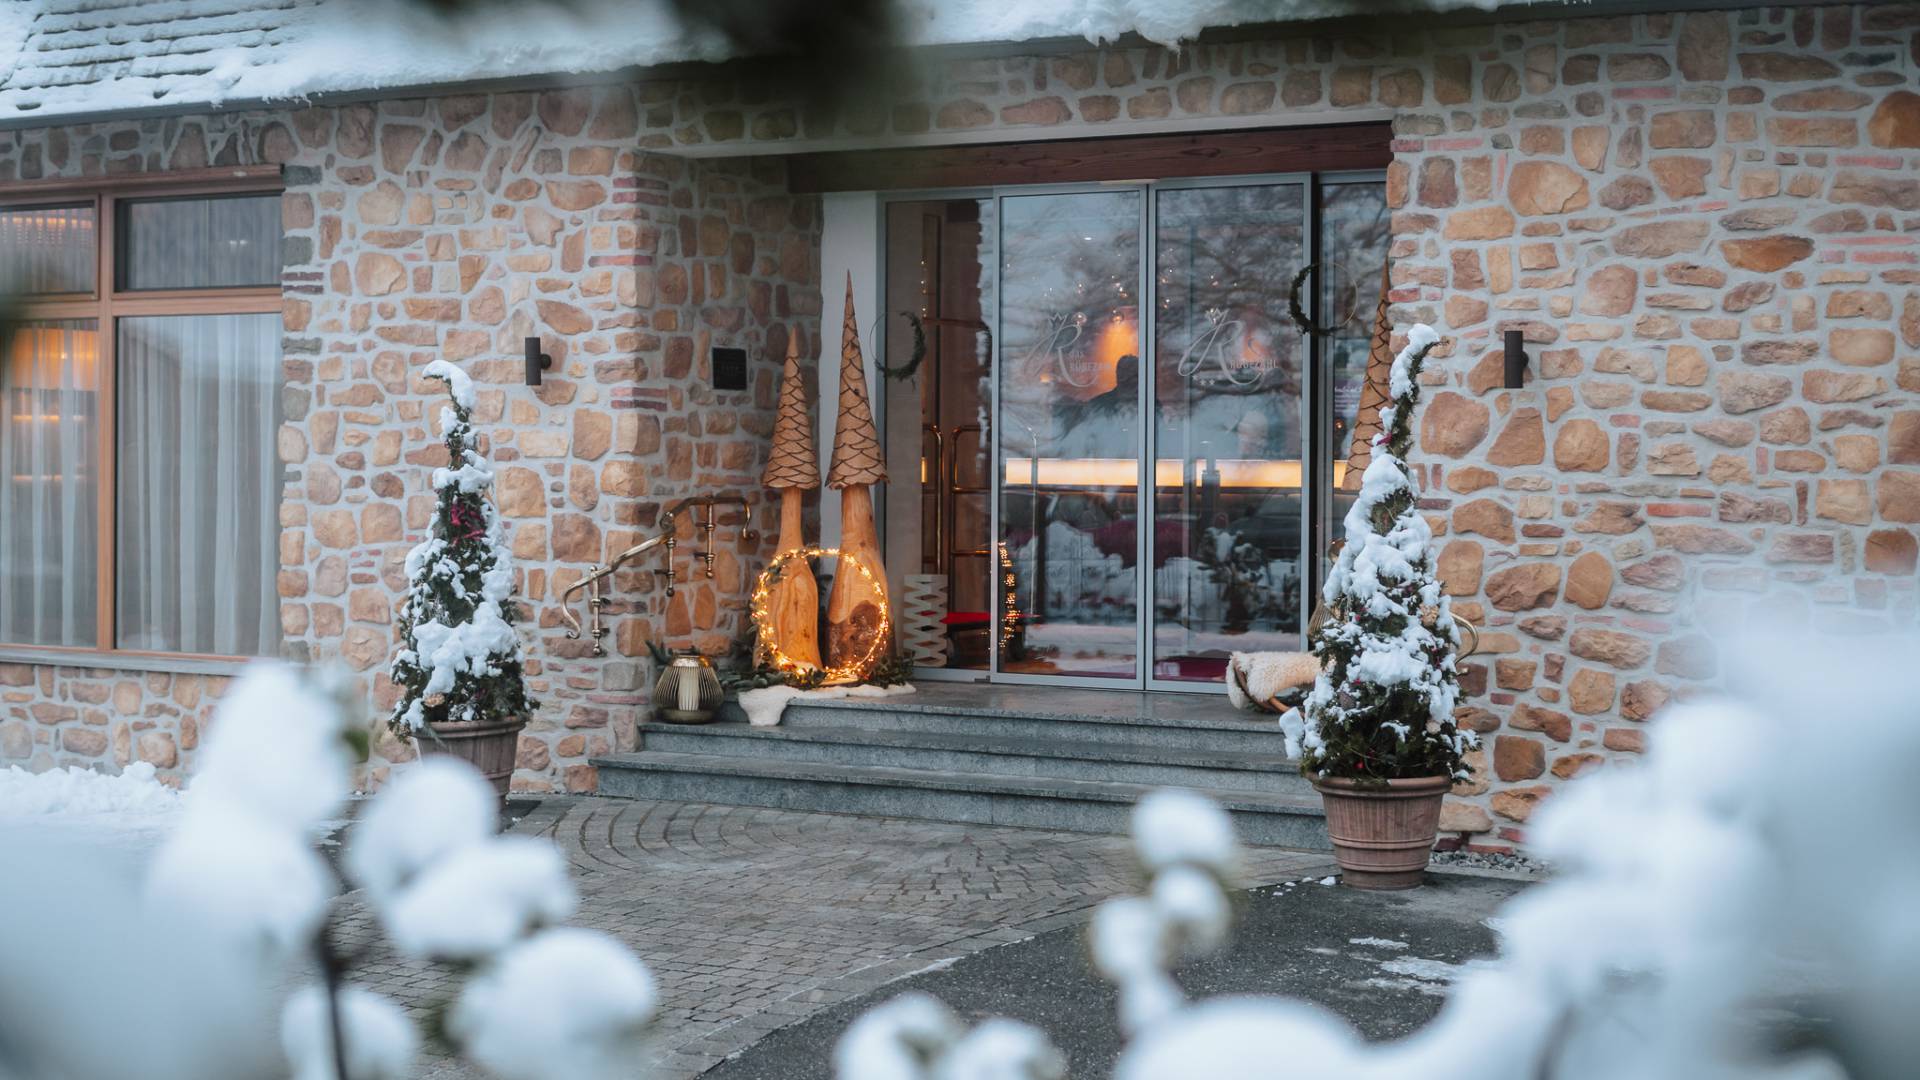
(1069, 447)
(1228, 379)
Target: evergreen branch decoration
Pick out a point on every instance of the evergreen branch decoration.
(1298, 312)
(1383, 705)
(906, 370)
(459, 656)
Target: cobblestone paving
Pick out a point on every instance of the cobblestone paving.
(752, 918)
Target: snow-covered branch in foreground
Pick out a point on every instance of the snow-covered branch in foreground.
(1720, 911)
(189, 977)
(916, 1037)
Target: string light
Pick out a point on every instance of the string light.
(1009, 605)
(763, 615)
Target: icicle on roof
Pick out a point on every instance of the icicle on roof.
(856, 443)
(793, 463)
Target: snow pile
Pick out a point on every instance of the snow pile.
(75, 792)
(766, 705)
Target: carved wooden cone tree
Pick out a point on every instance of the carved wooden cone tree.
(857, 607)
(793, 469)
(1373, 393)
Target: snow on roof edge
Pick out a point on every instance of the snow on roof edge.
(331, 49)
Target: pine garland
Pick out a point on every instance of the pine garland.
(1383, 705)
(459, 657)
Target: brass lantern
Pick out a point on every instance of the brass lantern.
(688, 691)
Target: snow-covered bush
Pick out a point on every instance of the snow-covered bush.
(1717, 912)
(916, 1037)
(191, 975)
(459, 657)
(1382, 708)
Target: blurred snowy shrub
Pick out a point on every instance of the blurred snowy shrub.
(189, 970)
(1721, 909)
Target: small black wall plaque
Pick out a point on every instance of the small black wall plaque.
(729, 369)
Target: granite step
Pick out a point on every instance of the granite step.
(1094, 806)
(1031, 755)
(1092, 716)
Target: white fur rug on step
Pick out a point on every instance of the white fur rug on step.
(1266, 675)
(765, 706)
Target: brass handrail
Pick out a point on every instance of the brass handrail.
(712, 503)
(595, 599)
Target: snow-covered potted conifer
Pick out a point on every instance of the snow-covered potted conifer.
(458, 667)
(1380, 743)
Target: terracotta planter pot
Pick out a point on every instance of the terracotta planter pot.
(488, 745)
(1383, 836)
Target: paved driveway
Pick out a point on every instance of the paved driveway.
(753, 919)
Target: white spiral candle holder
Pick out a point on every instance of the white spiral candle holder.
(923, 606)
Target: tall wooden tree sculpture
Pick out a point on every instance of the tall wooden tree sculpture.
(794, 469)
(857, 607)
(1373, 392)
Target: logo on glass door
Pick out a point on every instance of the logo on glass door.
(1221, 343)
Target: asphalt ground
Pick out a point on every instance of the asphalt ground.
(1381, 960)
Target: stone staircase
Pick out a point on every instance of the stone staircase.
(1039, 757)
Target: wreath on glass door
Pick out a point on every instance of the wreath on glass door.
(1298, 312)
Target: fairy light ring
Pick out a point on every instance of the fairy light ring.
(763, 615)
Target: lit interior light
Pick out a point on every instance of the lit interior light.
(1239, 473)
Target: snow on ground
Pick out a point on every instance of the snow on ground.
(114, 822)
(124, 816)
(75, 791)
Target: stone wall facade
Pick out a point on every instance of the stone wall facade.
(1702, 223)
(454, 228)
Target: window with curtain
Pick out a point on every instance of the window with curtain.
(138, 441)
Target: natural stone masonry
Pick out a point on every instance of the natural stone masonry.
(752, 919)
(1702, 223)
(1698, 223)
(453, 228)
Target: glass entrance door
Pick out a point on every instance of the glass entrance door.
(1123, 462)
(1070, 440)
(1229, 378)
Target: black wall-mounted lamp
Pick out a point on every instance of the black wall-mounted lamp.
(1516, 360)
(537, 361)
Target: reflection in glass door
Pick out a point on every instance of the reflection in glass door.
(1070, 435)
(1228, 380)
(1080, 536)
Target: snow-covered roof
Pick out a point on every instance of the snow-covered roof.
(61, 58)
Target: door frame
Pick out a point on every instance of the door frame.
(1316, 435)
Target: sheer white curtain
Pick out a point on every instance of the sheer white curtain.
(199, 484)
(198, 243)
(49, 464)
